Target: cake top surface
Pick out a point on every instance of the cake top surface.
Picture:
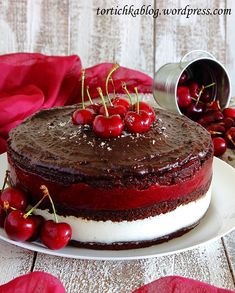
(50, 142)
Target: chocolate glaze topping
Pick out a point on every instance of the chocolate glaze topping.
(49, 144)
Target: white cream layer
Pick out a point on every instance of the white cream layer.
(144, 229)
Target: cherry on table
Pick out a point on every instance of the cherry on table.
(39, 222)
(14, 197)
(220, 146)
(18, 227)
(210, 117)
(216, 129)
(55, 235)
(95, 107)
(228, 122)
(183, 96)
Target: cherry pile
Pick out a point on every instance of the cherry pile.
(22, 225)
(196, 101)
(109, 119)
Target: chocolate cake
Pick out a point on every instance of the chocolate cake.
(131, 191)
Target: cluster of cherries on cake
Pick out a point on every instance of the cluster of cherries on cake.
(22, 225)
(119, 114)
(196, 101)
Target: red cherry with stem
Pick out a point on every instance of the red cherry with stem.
(183, 96)
(205, 97)
(183, 78)
(229, 113)
(194, 89)
(216, 129)
(210, 117)
(39, 222)
(220, 146)
(117, 101)
(213, 106)
(19, 226)
(83, 116)
(107, 126)
(143, 106)
(14, 198)
(194, 111)
(113, 110)
(139, 121)
(54, 235)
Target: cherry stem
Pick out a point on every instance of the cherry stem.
(112, 82)
(46, 193)
(83, 79)
(88, 94)
(5, 179)
(115, 67)
(199, 95)
(215, 132)
(103, 101)
(127, 92)
(35, 206)
(209, 85)
(137, 100)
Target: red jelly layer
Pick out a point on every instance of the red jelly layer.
(83, 196)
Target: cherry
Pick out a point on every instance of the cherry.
(55, 235)
(139, 121)
(38, 222)
(143, 106)
(120, 101)
(118, 109)
(229, 113)
(183, 78)
(211, 116)
(107, 126)
(194, 111)
(83, 116)
(228, 122)
(194, 89)
(183, 96)
(14, 198)
(216, 129)
(205, 96)
(220, 146)
(19, 226)
(213, 106)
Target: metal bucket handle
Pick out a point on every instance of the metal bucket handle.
(192, 52)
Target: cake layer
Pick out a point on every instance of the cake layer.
(152, 229)
(82, 200)
(48, 144)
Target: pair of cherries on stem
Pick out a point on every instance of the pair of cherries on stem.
(21, 226)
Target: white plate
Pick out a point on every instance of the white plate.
(219, 220)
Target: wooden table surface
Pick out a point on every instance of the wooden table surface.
(213, 263)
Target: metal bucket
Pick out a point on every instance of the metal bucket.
(204, 69)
